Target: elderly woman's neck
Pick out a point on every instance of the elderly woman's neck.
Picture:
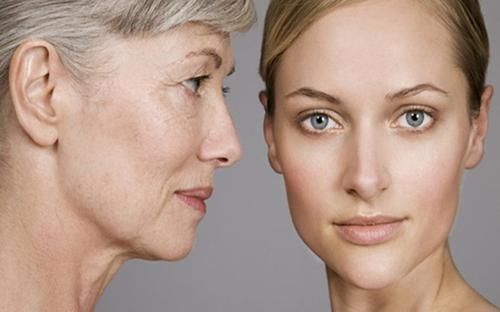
(49, 261)
(434, 285)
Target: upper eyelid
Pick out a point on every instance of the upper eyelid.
(308, 113)
(412, 129)
(304, 116)
(200, 79)
(203, 78)
(417, 107)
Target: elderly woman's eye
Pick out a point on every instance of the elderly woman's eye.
(194, 84)
(319, 122)
(415, 119)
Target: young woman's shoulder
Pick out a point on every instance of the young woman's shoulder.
(480, 305)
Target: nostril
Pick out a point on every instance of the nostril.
(223, 160)
(352, 192)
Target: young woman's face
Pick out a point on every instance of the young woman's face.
(372, 134)
(138, 154)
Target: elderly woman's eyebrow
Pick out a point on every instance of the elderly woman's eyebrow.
(412, 91)
(207, 52)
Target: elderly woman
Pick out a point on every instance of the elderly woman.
(112, 123)
(374, 110)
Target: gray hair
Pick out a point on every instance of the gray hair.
(76, 27)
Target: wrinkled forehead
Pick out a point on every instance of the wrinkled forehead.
(195, 40)
(194, 43)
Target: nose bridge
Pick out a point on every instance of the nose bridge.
(221, 143)
(366, 174)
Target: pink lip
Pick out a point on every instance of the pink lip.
(367, 231)
(195, 197)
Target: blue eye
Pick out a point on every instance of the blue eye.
(318, 122)
(415, 119)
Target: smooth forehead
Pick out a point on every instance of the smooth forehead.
(369, 43)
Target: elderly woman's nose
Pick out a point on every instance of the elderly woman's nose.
(221, 144)
(365, 172)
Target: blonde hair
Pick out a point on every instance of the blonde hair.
(288, 19)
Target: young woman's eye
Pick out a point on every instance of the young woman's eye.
(194, 84)
(319, 122)
(415, 119)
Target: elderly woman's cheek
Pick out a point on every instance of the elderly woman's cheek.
(133, 152)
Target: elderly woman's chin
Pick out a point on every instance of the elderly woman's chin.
(149, 231)
(162, 251)
(164, 241)
(163, 247)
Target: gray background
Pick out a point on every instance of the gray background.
(248, 256)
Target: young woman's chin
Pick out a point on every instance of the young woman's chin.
(377, 276)
(367, 273)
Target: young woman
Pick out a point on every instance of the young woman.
(112, 123)
(374, 109)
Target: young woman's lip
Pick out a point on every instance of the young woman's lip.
(368, 231)
(195, 197)
(375, 220)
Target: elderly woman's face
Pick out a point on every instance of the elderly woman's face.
(139, 150)
(371, 132)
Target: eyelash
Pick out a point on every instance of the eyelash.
(303, 118)
(427, 111)
(200, 81)
(226, 90)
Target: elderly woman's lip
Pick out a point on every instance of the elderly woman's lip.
(195, 197)
(202, 193)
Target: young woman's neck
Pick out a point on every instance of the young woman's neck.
(49, 260)
(434, 285)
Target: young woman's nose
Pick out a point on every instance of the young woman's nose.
(366, 175)
(221, 144)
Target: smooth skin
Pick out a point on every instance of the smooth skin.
(344, 137)
(97, 166)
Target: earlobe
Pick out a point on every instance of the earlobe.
(269, 136)
(480, 128)
(32, 74)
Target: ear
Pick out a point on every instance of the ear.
(269, 135)
(33, 71)
(479, 129)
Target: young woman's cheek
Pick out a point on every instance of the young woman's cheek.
(310, 167)
(427, 177)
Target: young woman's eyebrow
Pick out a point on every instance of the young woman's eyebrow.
(314, 94)
(412, 91)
